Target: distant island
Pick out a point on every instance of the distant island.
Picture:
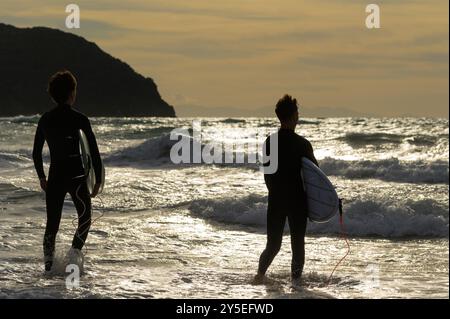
(268, 111)
(106, 85)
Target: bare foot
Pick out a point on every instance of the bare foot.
(296, 282)
(259, 279)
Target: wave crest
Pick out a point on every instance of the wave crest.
(372, 217)
(391, 169)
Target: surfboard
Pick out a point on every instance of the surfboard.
(87, 164)
(322, 199)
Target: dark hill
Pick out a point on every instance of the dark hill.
(106, 85)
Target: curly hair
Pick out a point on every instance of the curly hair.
(61, 85)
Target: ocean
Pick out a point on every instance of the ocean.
(166, 230)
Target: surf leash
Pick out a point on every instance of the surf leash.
(343, 236)
(89, 220)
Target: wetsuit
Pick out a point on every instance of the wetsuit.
(287, 199)
(60, 127)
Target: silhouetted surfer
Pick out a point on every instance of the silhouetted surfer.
(59, 128)
(287, 198)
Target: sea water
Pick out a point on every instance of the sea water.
(196, 230)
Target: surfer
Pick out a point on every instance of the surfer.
(287, 198)
(59, 128)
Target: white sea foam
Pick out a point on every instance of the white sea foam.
(371, 217)
(156, 151)
(391, 169)
(8, 160)
(142, 250)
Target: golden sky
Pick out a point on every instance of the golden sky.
(245, 54)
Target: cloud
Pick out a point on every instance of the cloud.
(91, 29)
(248, 52)
(231, 9)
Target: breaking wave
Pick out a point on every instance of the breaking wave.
(371, 217)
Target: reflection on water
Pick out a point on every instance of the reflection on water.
(197, 230)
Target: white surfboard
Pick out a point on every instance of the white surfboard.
(87, 164)
(322, 199)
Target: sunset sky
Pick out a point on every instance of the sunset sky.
(245, 54)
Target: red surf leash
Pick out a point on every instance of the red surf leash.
(344, 236)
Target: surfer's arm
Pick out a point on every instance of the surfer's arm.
(95, 154)
(268, 179)
(310, 154)
(39, 141)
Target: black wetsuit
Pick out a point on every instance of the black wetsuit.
(60, 127)
(287, 199)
